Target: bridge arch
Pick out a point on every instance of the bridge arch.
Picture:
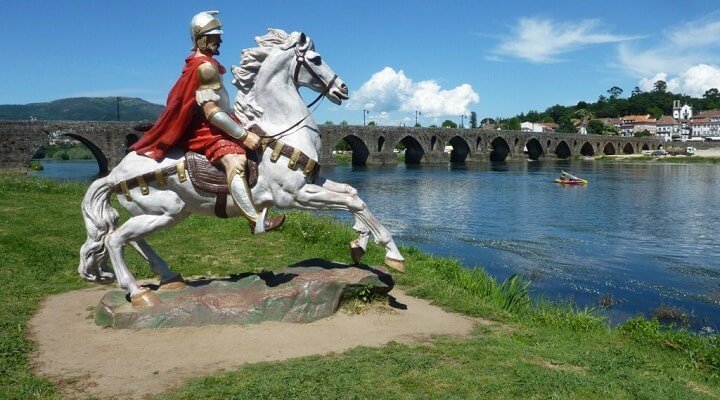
(360, 151)
(562, 150)
(609, 149)
(628, 149)
(534, 149)
(381, 142)
(500, 149)
(645, 146)
(95, 150)
(460, 150)
(414, 151)
(587, 150)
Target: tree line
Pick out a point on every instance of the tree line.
(657, 102)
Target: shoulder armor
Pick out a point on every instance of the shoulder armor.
(209, 76)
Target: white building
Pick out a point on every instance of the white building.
(681, 113)
(538, 126)
(706, 124)
(667, 127)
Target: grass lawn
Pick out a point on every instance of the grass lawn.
(541, 351)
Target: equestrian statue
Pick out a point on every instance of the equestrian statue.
(205, 156)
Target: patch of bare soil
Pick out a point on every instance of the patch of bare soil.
(86, 360)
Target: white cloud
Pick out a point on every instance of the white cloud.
(680, 49)
(543, 40)
(694, 81)
(389, 90)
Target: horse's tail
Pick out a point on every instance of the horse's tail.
(100, 219)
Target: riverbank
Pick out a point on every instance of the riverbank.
(705, 156)
(543, 351)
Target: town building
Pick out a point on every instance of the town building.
(631, 124)
(706, 125)
(545, 127)
(667, 128)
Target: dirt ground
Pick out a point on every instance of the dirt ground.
(714, 152)
(86, 360)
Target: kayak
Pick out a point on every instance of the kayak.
(571, 181)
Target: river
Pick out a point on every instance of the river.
(639, 236)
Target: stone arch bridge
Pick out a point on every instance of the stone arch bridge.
(108, 141)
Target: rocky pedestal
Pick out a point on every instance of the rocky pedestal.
(303, 293)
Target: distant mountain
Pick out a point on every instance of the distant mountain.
(84, 109)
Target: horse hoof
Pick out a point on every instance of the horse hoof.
(145, 298)
(170, 285)
(398, 265)
(356, 251)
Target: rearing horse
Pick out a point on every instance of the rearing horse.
(268, 80)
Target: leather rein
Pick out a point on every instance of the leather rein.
(301, 61)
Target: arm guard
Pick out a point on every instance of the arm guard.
(219, 119)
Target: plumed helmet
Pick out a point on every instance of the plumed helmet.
(204, 23)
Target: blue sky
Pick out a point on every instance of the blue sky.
(443, 59)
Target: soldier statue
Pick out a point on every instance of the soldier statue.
(198, 118)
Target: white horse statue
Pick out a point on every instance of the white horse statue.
(268, 80)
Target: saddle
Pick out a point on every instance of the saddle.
(209, 178)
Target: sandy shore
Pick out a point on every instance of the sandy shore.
(84, 360)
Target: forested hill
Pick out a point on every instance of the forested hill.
(84, 109)
(613, 104)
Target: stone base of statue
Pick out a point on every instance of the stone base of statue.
(304, 292)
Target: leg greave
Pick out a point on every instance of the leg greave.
(240, 192)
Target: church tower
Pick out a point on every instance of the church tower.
(676, 109)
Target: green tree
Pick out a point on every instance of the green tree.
(449, 124)
(636, 91)
(473, 119)
(712, 94)
(532, 116)
(328, 122)
(660, 86)
(566, 125)
(343, 123)
(371, 123)
(596, 127)
(615, 92)
(642, 133)
(656, 112)
(513, 124)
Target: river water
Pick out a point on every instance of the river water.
(639, 236)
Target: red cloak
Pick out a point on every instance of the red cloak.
(175, 125)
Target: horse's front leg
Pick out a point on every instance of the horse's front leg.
(358, 246)
(315, 197)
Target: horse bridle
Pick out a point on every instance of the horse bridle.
(301, 61)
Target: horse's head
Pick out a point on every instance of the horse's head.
(311, 71)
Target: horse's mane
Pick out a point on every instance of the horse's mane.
(246, 108)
